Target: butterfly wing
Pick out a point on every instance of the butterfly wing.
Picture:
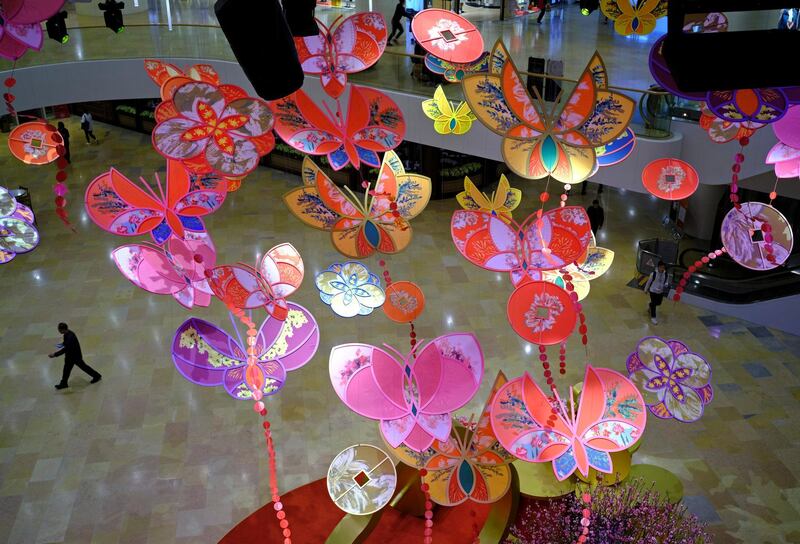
(374, 124)
(285, 345)
(611, 417)
(282, 267)
(518, 412)
(448, 373)
(411, 192)
(462, 119)
(160, 71)
(239, 286)
(307, 204)
(471, 198)
(610, 112)
(203, 353)
(358, 43)
(118, 206)
(303, 125)
(487, 241)
(371, 383)
(566, 234)
(507, 198)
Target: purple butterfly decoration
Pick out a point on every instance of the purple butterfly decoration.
(209, 356)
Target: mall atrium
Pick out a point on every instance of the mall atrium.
(399, 271)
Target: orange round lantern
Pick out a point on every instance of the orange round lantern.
(541, 313)
(404, 301)
(670, 179)
(36, 142)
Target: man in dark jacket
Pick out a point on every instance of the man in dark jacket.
(399, 13)
(71, 350)
(65, 137)
(596, 216)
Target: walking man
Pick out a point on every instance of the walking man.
(596, 216)
(71, 350)
(87, 126)
(657, 286)
(399, 13)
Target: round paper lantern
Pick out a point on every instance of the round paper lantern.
(618, 150)
(447, 35)
(757, 236)
(362, 479)
(787, 129)
(36, 142)
(404, 301)
(670, 179)
(541, 313)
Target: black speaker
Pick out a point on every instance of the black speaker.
(259, 37)
(300, 16)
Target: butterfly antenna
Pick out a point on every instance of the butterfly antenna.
(335, 118)
(355, 200)
(160, 188)
(562, 405)
(236, 330)
(400, 356)
(148, 188)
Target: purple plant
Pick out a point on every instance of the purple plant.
(628, 513)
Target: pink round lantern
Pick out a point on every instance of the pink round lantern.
(670, 179)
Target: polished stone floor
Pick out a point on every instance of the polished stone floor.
(146, 456)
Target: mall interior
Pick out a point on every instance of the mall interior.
(489, 271)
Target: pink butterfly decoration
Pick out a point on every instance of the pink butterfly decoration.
(279, 274)
(412, 396)
(180, 270)
(21, 27)
(610, 417)
(348, 46)
(785, 155)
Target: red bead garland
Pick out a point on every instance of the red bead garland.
(585, 519)
(738, 159)
(254, 380)
(476, 530)
(562, 358)
(692, 269)
(428, 533)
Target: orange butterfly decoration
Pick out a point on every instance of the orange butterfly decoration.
(361, 226)
(169, 77)
(634, 16)
(539, 140)
(470, 465)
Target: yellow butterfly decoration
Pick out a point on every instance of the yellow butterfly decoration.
(501, 203)
(540, 140)
(447, 120)
(634, 16)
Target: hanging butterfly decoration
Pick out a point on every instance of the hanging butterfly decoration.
(634, 16)
(214, 128)
(349, 45)
(470, 465)
(360, 227)
(120, 206)
(178, 269)
(414, 395)
(455, 72)
(539, 140)
(574, 436)
(501, 203)
(525, 250)
(448, 119)
(722, 131)
(169, 77)
(785, 155)
(17, 233)
(373, 123)
(279, 274)
(206, 355)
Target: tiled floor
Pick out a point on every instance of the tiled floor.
(146, 456)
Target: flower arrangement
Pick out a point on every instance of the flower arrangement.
(128, 110)
(627, 513)
(461, 170)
